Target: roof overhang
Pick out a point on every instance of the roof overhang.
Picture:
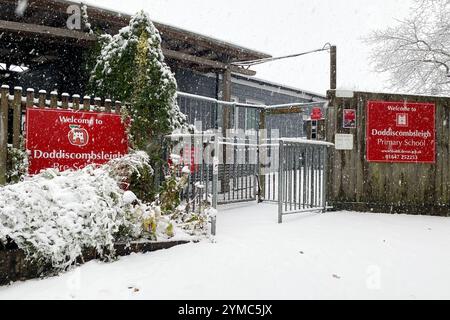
(46, 19)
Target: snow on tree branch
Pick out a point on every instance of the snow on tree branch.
(416, 52)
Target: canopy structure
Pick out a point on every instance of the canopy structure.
(41, 33)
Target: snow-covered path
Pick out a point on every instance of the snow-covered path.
(333, 255)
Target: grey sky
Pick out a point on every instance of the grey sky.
(283, 27)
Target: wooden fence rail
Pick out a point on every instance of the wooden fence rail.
(13, 103)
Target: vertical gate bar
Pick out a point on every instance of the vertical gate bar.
(313, 176)
(246, 171)
(300, 176)
(275, 179)
(305, 176)
(199, 164)
(295, 176)
(290, 176)
(269, 177)
(322, 182)
(251, 172)
(285, 170)
(319, 186)
(321, 155)
(237, 166)
(228, 177)
(310, 181)
(192, 184)
(316, 172)
(325, 168)
(206, 163)
(287, 150)
(215, 172)
(258, 180)
(319, 177)
(311, 185)
(280, 183)
(241, 165)
(234, 167)
(215, 185)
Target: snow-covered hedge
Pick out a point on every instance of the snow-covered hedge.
(55, 215)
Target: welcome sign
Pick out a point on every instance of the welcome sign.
(401, 132)
(65, 139)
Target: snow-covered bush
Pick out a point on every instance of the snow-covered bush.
(174, 183)
(54, 216)
(134, 172)
(180, 211)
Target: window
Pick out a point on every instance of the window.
(251, 115)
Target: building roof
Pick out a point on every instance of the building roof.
(47, 18)
(274, 86)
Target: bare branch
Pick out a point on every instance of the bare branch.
(416, 52)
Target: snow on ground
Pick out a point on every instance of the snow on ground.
(311, 256)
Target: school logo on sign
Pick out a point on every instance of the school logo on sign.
(402, 120)
(78, 136)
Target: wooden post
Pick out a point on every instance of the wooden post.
(98, 104)
(53, 99)
(108, 103)
(226, 97)
(42, 97)
(17, 116)
(87, 103)
(225, 126)
(118, 106)
(30, 98)
(333, 68)
(76, 102)
(65, 100)
(3, 132)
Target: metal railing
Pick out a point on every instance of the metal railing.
(238, 172)
(302, 176)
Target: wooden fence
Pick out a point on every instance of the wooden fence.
(13, 105)
(414, 188)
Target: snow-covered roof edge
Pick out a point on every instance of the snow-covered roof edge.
(280, 85)
(128, 15)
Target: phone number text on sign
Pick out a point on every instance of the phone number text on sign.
(65, 140)
(401, 132)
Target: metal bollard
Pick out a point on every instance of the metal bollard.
(213, 225)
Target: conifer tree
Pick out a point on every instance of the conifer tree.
(130, 67)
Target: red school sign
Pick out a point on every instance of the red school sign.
(401, 132)
(64, 139)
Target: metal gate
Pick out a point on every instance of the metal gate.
(301, 181)
(238, 172)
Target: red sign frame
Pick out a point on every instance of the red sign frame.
(71, 140)
(401, 132)
(349, 119)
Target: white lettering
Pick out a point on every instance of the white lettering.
(410, 133)
(74, 21)
(39, 154)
